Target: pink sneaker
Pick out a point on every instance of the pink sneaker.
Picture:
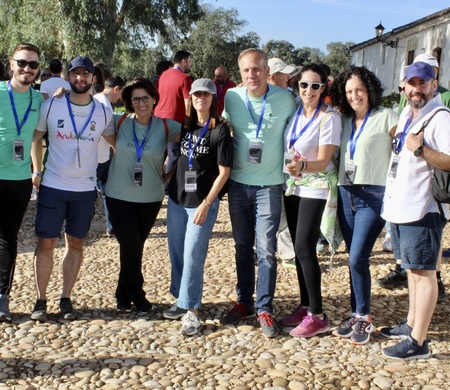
(310, 326)
(295, 318)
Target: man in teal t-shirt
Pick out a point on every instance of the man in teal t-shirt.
(259, 114)
(19, 113)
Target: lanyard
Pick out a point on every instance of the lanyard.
(140, 146)
(401, 140)
(13, 106)
(192, 149)
(263, 108)
(181, 70)
(353, 140)
(294, 137)
(72, 118)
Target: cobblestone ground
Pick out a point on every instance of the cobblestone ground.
(102, 350)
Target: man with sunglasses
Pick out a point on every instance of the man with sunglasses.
(19, 114)
(50, 86)
(75, 124)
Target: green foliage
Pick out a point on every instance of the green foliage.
(391, 100)
(336, 58)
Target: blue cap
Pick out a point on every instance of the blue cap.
(421, 70)
(81, 62)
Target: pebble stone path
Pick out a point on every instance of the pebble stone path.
(102, 350)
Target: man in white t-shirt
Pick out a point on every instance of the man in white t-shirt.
(75, 124)
(110, 95)
(50, 86)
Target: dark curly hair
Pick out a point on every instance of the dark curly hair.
(321, 71)
(138, 84)
(370, 81)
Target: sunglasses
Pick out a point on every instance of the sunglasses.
(46, 75)
(315, 86)
(401, 89)
(145, 99)
(23, 64)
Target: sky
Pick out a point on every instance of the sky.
(315, 23)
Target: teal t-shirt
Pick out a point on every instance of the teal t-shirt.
(120, 183)
(9, 168)
(280, 106)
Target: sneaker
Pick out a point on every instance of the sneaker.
(67, 310)
(5, 314)
(407, 350)
(268, 326)
(289, 263)
(393, 279)
(123, 308)
(441, 290)
(174, 313)
(237, 313)
(361, 331)
(387, 244)
(322, 249)
(39, 312)
(143, 307)
(345, 330)
(401, 331)
(190, 324)
(295, 317)
(310, 326)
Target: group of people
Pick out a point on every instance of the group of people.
(348, 165)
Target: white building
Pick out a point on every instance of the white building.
(388, 54)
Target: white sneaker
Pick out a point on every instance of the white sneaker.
(190, 324)
(387, 244)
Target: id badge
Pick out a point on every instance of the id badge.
(393, 166)
(138, 174)
(255, 149)
(190, 181)
(350, 172)
(18, 150)
(288, 157)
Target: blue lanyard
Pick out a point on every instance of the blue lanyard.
(294, 137)
(72, 118)
(263, 108)
(353, 140)
(192, 149)
(13, 106)
(401, 140)
(181, 70)
(140, 146)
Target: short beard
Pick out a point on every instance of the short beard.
(422, 103)
(79, 90)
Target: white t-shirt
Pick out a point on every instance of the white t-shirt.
(72, 163)
(103, 146)
(51, 85)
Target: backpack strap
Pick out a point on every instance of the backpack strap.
(122, 118)
(425, 122)
(48, 112)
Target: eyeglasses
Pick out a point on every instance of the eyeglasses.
(46, 75)
(315, 86)
(80, 73)
(23, 64)
(145, 99)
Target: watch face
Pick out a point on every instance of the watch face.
(418, 151)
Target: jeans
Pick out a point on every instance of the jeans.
(132, 223)
(359, 209)
(14, 198)
(102, 178)
(255, 213)
(188, 247)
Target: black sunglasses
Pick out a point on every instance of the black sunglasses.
(401, 89)
(46, 75)
(315, 86)
(31, 64)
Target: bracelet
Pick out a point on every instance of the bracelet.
(37, 173)
(206, 203)
(303, 165)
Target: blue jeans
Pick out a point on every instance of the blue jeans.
(359, 209)
(188, 247)
(255, 213)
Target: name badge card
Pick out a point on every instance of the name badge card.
(18, 150)
(393, 167)
(190, 181)
(255, 149)
(288, 157)
(138, 174)
(350, 172)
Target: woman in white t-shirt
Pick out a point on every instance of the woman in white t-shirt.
(311, 141)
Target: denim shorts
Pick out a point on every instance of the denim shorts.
(418, 243)
(54, 206)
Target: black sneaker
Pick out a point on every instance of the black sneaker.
(393, 279)
(39, 312)
(361, 331)
(144, 307)
(401, 331)
(237, 313)
(67, 310)
(345, 330)
(407, 349)
(441, 290)
(123, 308)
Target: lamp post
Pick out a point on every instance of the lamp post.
(379, 33)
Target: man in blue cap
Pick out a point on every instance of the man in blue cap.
(75, 124)
(417, 224)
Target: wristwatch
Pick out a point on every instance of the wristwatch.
(418, 151)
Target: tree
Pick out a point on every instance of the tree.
(336, 59)
(283, 50)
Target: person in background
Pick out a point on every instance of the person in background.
(367, 131)
(135, 187)
(161, 67)
(223, 83)
(99, 81)
(51, 85)
(202, 171)
(279, 72)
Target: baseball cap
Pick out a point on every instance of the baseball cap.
(276, 65)
(205, 85)
(421, 70)
(427, 58)
(81, 62)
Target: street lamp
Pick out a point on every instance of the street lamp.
(379, 32)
